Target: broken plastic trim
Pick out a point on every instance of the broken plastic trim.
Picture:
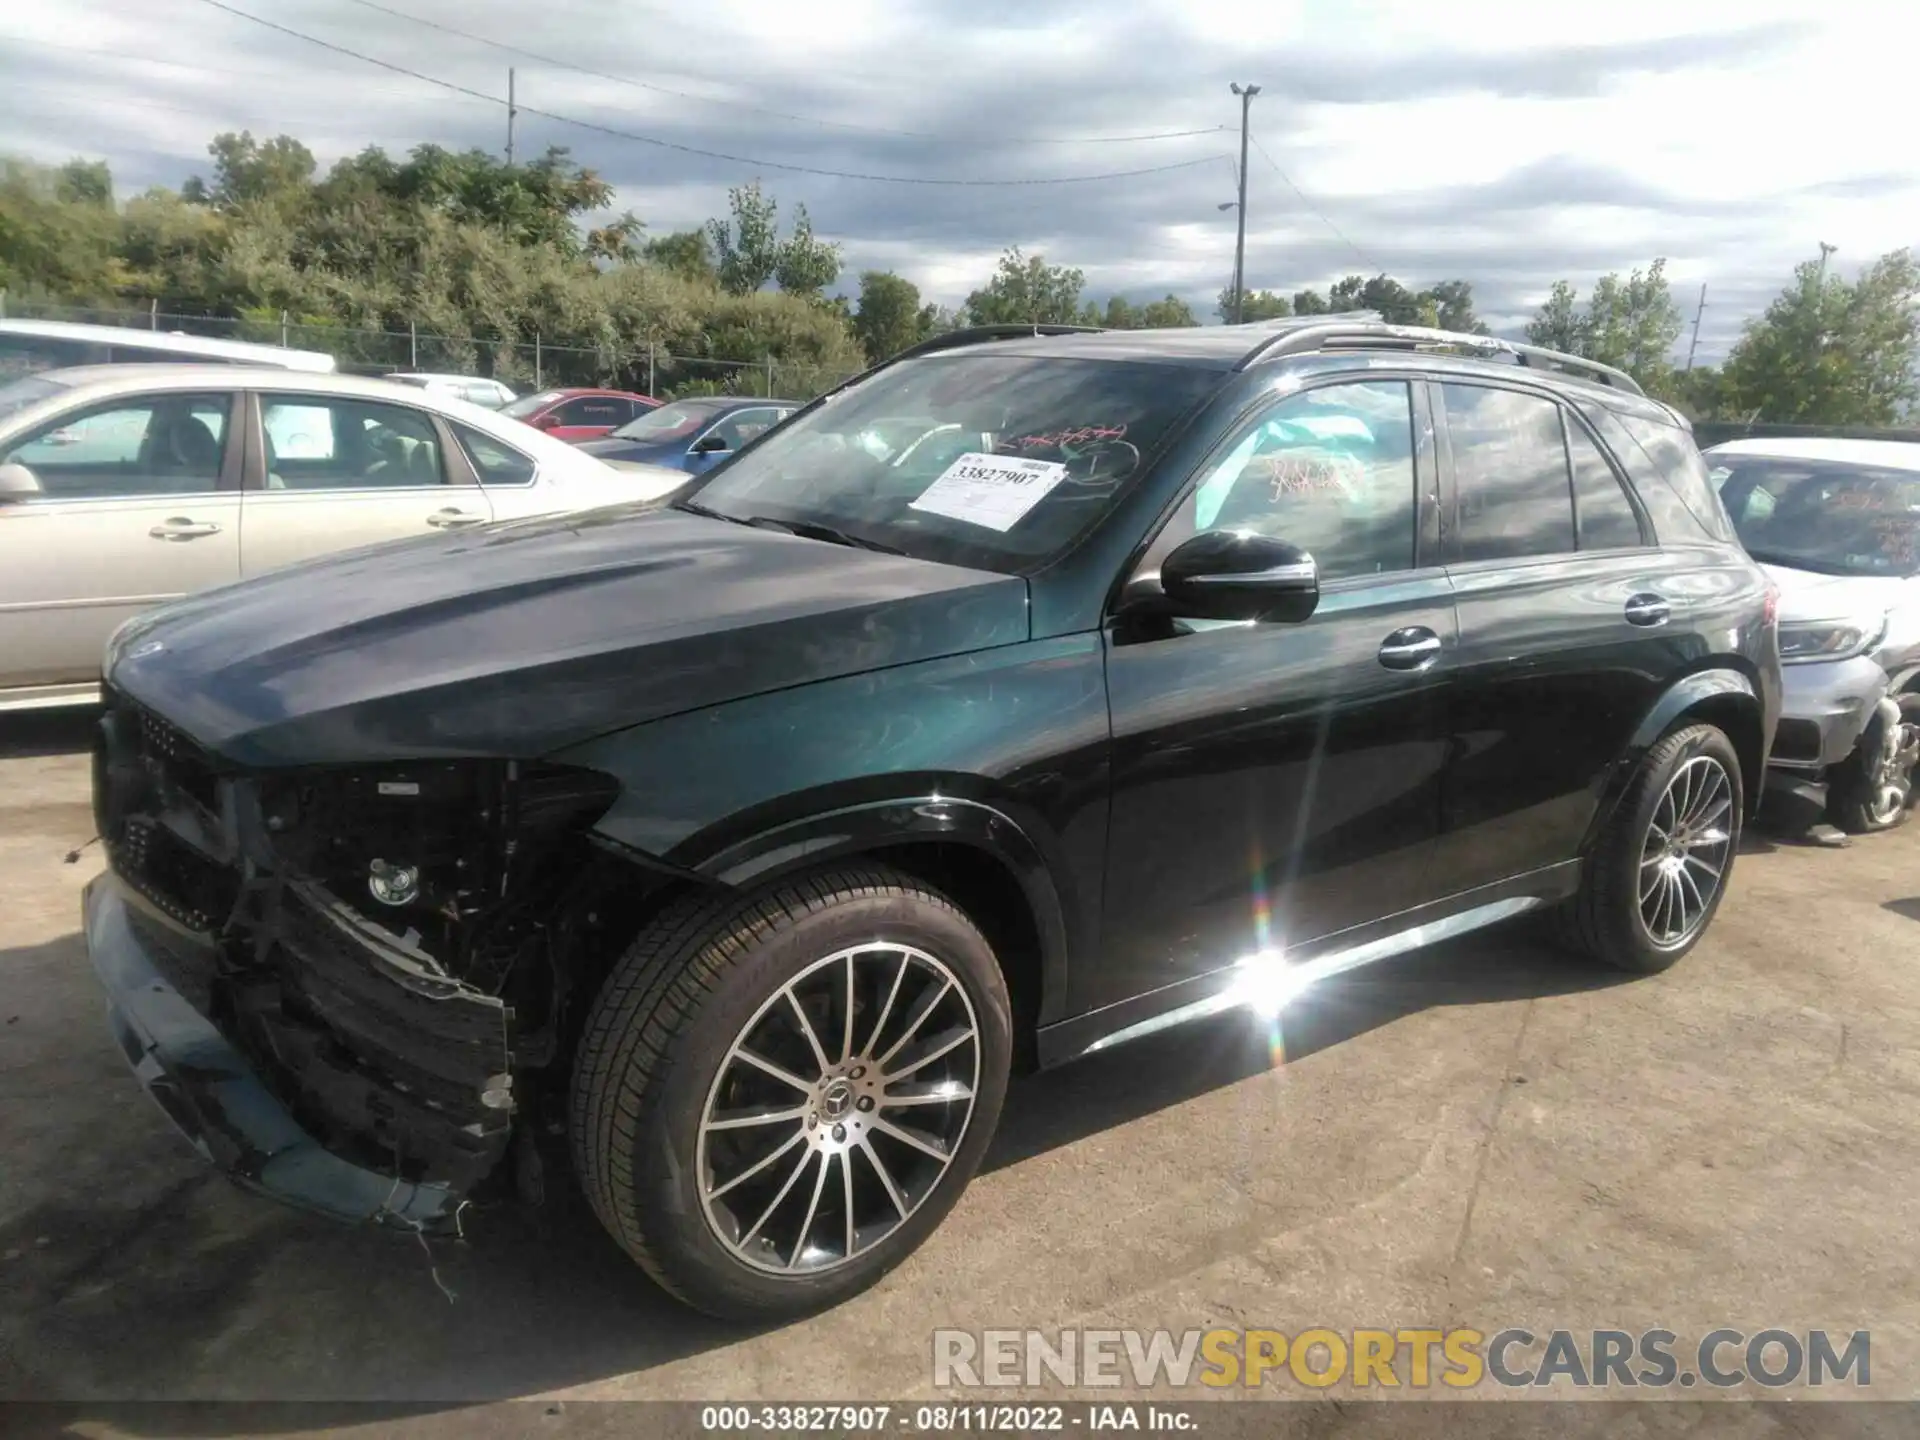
(212, 1094)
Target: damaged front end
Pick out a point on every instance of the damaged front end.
(347, 985)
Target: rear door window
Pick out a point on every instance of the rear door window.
(1513, 488)
(328, 443)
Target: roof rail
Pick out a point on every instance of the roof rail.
(1341, 333)
(979, 334)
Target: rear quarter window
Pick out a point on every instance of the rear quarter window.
(1673, 521)
(1673, 454)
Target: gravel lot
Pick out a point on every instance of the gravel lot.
(1490, 1134)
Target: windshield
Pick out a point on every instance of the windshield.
(530, 404)
(998, 462)
(669, 422)
(30, 391)
(1822, 515)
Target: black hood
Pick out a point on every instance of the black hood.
(519, 639)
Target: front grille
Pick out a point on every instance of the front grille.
(176, 762)
(155, 791)
(192, 887)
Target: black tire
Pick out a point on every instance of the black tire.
(661, 1036)
(1854, 798)
(1606, 919)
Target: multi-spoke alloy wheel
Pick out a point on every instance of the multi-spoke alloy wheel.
(1656, 873)
(779, 1095)
(838, 1108)
(1684, 856)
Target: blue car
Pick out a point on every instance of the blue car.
(692, 435)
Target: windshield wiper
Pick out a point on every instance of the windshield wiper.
(814, 530)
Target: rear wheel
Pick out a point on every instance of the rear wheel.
(1872, 789)
(777, 1100)
(1659, 870)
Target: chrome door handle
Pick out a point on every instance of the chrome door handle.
(180, 527)
(1414, 648)
(453, 519)
(1648, 610)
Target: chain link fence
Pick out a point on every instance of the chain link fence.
(525, 363)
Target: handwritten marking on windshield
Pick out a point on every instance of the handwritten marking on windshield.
(1078, 435)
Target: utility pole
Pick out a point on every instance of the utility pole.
(1825, 251)
(511, 113)
(1695, 344)
(1246, 94)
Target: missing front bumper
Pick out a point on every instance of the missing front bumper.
(211, 1092)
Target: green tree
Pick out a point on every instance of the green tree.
(1829, 351)
(890, 315)
(1453, 307)
(84, 182)
(1558, 323)
(1309, 302)
(747, 249)
(1168, 313)
(1025, 290)
(247, 171)
(685, 252)
(1631, 324)
(805, 264)
(63, 247)
(1255, 305)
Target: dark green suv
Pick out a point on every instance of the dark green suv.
(1026, 694)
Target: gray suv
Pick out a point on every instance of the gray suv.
(1834, 522)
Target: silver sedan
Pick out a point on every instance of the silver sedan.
(123, 486)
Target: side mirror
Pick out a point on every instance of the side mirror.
(549, 421)
(1235, 575)
(17, 482)
(709, 445)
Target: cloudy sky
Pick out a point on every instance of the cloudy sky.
(1502, 143)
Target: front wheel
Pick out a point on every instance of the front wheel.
(777, 1100)
(1658, 872)
(1872, 789)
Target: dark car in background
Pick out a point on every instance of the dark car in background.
(578, 414)
(692, 435)
(752, 837)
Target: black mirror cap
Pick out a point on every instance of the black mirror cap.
(709, 445)
(1238, 575)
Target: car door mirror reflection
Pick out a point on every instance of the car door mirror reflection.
(1240, 575)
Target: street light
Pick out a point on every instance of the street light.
(1246, 94)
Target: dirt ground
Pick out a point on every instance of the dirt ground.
(1489, 1134)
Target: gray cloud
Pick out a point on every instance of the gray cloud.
(940, 89)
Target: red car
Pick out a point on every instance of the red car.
(579, 414)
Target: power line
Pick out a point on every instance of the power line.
(369, 85)
(557, 64)
(1365, 259)
(695, 149)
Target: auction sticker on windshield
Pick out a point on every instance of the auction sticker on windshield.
(990, 490)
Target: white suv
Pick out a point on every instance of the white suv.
(1835, 522)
